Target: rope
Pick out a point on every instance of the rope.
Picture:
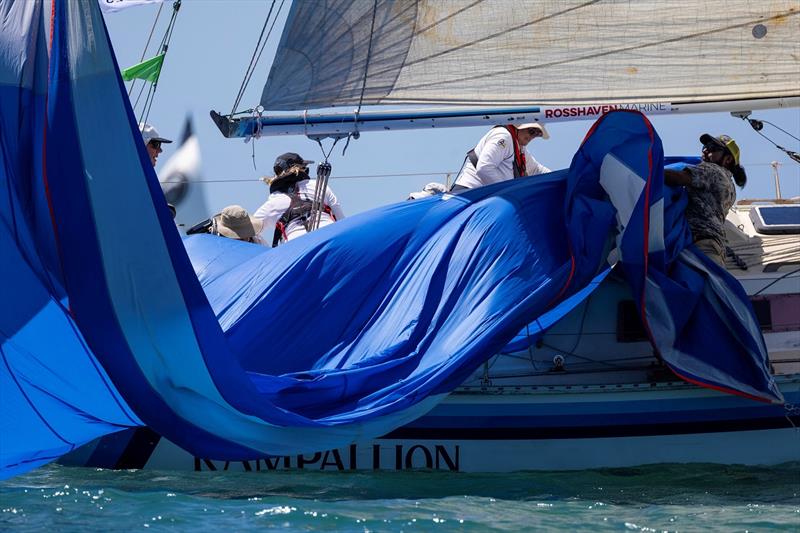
(369, 56)
(767, 286)
(791, 410)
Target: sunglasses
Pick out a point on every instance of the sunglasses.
(155, 144)
(534, 132)
(713, 148)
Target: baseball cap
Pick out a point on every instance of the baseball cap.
(284, 161)
(723, 141)
(536, 125)
(149, 133)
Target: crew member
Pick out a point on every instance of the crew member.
(235, 223)
(287, 214)
(152, 140)
(711, 192)
(501, 155)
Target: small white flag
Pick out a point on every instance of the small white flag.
(110, 6)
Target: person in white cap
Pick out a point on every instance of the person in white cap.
(234, 222)
(152, 140)
(501, 155)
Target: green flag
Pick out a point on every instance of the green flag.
(146, 70)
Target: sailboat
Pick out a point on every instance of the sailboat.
(407, 376)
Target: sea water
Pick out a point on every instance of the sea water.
(651, 498)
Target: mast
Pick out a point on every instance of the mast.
(775, 166)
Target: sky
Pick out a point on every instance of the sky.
(209, 52)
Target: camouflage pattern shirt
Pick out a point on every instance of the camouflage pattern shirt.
(711, 195)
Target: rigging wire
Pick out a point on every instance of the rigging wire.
(164, 47)
(146, 46)
(149, 96)
(758, 125)
(779, 128)
(360, 176)
(259, 48)
(364, 176)
(355, 134)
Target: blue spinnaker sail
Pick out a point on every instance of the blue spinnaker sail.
(54, 394)
(339, 336)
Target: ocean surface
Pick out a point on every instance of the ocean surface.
(652, 498)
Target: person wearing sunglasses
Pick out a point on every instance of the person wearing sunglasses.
(152, 140)
(287, 212)
(501, 155)
(711, 193)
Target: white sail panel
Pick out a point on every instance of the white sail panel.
(556, 52)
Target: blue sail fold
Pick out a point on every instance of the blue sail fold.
(234, 351)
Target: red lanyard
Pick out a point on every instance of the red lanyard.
(519, 155)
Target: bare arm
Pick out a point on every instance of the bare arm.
(677, 178)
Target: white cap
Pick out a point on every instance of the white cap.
(536, 125)
(149, 133)
(431, 189)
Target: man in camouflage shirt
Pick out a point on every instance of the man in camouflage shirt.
(711, 192)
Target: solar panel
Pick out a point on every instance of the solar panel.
(776, 219)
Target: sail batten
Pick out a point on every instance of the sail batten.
(533, 52)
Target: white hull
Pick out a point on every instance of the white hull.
(500, 430)
(611, 404)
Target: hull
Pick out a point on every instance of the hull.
(589, 394)
(493, 429)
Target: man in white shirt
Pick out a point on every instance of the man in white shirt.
(501, 155)
(286, 214)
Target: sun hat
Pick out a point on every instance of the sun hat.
(536, 125)
(235, 223)
(149, 133)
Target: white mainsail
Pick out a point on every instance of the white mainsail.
(544, 52)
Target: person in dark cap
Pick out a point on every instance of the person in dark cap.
(152, 140)
(711, 192)
(287, 213)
